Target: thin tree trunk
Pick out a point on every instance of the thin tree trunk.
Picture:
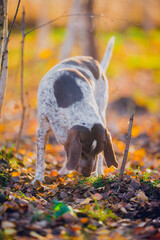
(1, 25)
(80, 28)
(71, 31)
(22, 88)
(87, 30)
(4, 66)
(43, 33)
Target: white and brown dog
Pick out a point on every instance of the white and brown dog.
(72, 101)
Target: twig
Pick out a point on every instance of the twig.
(22, 90)
(75, 15)
(127, 147)
(9, 33)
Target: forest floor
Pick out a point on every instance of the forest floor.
(74, 207)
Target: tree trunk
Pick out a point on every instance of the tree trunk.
(71, 31)
(43, 37)
(80, 28)
(87, 30)
(4, 49)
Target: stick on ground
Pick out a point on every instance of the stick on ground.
(127, 147)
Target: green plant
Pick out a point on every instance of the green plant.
(96, 182)
(100, 213)
(59, 208)
(10, 151)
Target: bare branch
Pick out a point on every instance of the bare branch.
(75, 15)
(127, 147)
(22, 88)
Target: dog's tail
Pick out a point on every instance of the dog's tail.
(108, 54)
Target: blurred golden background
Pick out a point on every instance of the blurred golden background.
(134, 71)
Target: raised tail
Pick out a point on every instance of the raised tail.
(108, 54)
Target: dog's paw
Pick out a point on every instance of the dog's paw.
(63, 171)
(98, 172)
(37, 181)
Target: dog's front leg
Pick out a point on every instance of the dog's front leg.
(42, 133)
(99, 168)
(64, 170)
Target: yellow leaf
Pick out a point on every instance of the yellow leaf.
(135, 131)
(15, 174)
(10, 231)
(138, 155)
(36, 235)
(45, 53)
(120, 145)
(86, 201)
(2, 128)
(30, 154)
(27, 159)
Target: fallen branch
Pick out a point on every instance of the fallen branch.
(22, 89)
(127, 147)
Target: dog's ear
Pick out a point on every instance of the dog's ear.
(109, 154)
(98, 132)
(73, 149)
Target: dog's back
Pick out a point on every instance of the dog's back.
(75, 91)
(66, 96)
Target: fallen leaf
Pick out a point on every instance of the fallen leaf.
(36, 235)
(84, 220)
(10, 231)
(141, 195)
(7, 224)
(97, 196)
(123, 210)
(53, 173)
(86, 201)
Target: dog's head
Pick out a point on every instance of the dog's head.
(82, 151)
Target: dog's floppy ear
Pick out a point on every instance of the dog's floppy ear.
(73, 149)
(109, 154)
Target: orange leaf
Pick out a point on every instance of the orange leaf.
(84, 220)
(15, 174)
(109, 170)
(53, 173)
(75, 227)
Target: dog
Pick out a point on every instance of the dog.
(72, 101)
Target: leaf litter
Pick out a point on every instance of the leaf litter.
(75, 207)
